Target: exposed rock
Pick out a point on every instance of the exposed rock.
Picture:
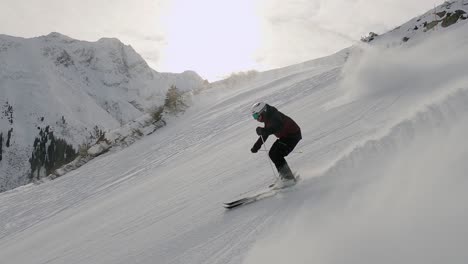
(451, 19)
(64, 59)
(369, 37)
(441, 14)
(431, 25)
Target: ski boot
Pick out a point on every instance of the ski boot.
(286, 179)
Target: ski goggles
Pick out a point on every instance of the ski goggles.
(256, 116)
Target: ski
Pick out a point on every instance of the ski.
(268, 192)
(250, 199)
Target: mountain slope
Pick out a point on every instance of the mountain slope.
(383, 167)
(76, 90)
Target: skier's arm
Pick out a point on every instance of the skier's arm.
(259, 143)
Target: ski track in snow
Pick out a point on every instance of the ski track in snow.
(374, 167)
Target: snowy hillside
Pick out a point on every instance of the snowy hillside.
(382, 162)
(74, 89)
(441, 17)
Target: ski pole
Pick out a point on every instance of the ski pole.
(268, 157)
(291, 151)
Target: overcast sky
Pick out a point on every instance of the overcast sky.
(213, 37)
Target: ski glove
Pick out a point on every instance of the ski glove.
(260, 131)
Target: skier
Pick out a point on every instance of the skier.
(288, 134)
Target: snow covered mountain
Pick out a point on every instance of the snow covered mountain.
(73, 89)
(382, 162)
(443, 16)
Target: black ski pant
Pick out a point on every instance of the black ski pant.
(281, 148)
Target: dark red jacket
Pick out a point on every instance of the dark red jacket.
(279, 124)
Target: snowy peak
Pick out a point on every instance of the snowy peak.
(75, 90)
(107, 55)
(55, 36)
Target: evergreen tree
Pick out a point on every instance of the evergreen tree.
(49, 153)
(174, 102)
(1, 145)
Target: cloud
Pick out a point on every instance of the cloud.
(298, 30)
(290, 31)
(141, 36)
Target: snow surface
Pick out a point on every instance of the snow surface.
(383, 168)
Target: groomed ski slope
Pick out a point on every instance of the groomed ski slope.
(383, 166)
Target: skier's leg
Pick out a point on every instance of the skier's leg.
(277, 153)
(288, 144)
(280, 149)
